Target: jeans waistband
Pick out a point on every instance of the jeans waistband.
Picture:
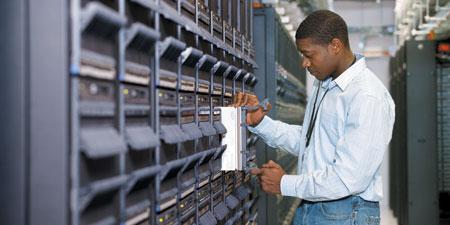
(352, 198)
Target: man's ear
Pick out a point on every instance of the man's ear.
(336, 46)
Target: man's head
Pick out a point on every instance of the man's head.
(322, 38)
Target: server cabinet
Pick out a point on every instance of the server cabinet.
(414, 175)
(443, 133)
(126, 93)
(281, 80)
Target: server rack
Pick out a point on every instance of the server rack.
(282, 81)
(414, 171)
(126, 93)
(443, 126)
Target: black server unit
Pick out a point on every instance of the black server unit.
(414, 168)
(443, 132)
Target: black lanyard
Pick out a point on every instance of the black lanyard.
(312, 120)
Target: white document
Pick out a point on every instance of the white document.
(231, 118)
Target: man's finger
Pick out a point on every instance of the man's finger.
(263, 186)
(235, 99)
(264, 178)
(252, 99)
(256, 171)
(266, 166)
(244, 100)
(273, 164)
(238, 99)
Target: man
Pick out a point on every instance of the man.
(347, 128)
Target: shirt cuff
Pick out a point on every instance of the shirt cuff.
(262, 126)
(288, 185)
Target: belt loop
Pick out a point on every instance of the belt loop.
(355, 201)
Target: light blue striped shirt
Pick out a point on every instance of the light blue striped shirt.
(352, 132)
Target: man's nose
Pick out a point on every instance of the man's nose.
(305, 63)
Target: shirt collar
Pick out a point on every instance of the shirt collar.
(329, 83)
(343, 80)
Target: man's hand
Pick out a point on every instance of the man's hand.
(254, 117)
(239, 99)
(270, 175)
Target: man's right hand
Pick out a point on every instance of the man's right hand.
(254, 117)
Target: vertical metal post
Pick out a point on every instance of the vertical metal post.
(196, 170)
(178, 36)
(120, 113)
(155, 112)
(74, 117)
(47, 112)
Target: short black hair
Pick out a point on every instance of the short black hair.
(322, 26)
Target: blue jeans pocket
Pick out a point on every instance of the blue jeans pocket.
(373, 220)
(336, 210)
(368, 213)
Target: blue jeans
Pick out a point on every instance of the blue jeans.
(351, 210)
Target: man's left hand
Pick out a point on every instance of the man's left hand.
(270, 175)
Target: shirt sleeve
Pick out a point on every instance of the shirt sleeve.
(281, 135)
(359, 153)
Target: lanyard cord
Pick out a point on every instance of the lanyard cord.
(312, 120)
(314, 115)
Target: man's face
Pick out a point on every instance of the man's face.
(319, 60)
